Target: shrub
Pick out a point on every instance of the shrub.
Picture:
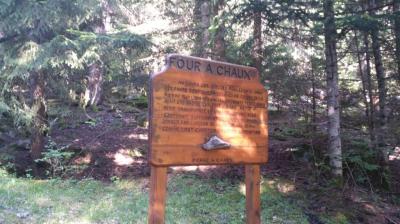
(362, 164)
(57, 158)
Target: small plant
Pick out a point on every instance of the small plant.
(91, 122)
(28, 173)
(57, 158)
(6, 160)
(95, 108)
(140, 101)
(283, 134)
(362, 164)
(115, 179)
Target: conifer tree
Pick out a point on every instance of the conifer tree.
(332, 77)
(43, 41)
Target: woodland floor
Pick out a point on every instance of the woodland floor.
(112, 146)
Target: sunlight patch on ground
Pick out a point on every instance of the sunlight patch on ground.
(129, 185)
(126, 157)
(121, 158)
(291, 149)
(395, 155)
(242, 188)
(203, 168)
(135, 152)
(138, 136)
(84, 159)
(282, 186)
(76, 140)
(285, 187)
(43, 201)
(184, 168)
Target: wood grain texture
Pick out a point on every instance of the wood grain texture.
(158, 191)
(253, 209)
(188, 106)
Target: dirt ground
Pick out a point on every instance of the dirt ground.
(114, 145)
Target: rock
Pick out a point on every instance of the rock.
(23, 215)
(215, 143)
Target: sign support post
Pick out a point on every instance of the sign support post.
(252, 179)
(158, 193)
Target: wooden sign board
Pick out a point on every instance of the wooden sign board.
(207, 112)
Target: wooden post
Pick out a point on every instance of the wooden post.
(158, 190)
(253, 211)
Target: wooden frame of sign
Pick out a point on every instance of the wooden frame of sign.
(205, 112)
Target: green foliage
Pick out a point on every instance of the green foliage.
(274, 12)
(3, 109)
(339, 218)
(362, 22)
(140, 101)
(57, 158)
(91, 122)
(6, 160)
(240, 52)
(285, 132)
(362, 164)
(54, 37)
(288, 82)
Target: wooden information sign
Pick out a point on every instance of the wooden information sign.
(205, 112)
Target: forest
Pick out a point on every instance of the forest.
(74, 108)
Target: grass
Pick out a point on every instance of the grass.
(191, 199)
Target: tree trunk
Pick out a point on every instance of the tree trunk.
(100, 25)
(367, 66)
(205, 23)
(219, 40)
(197, 48)
(396, 24)
(314, 101)
(40, 119)
(95, 82)
(257, 47)
(202, 13)
(365, 86)
(380, 76)
(334, 144)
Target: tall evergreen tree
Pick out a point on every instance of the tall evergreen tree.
(202, 21)
(380, 76)
(332, 78)
(219, 52)
(396, 26)
(257, 30)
